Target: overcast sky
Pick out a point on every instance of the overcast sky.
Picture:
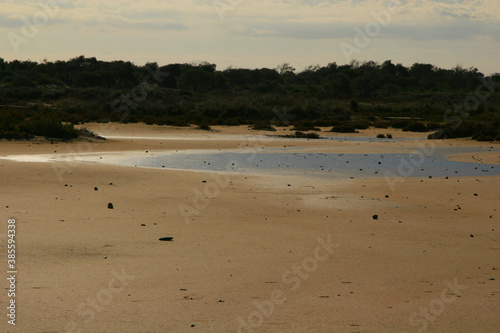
(255, 34)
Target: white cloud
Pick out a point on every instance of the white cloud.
(255, 32)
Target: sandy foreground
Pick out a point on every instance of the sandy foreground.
(251, 253)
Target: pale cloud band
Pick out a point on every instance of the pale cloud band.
(252, 31)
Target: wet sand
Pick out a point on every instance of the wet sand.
(246, 254)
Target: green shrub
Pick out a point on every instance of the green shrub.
(381, 124)
(299, 134)
(400, 123)
(304, 126)
(360, 124)
(49, 127)
(204, 126)
(433, 126)
(416, 127)
(14, 135)
(483, 137)
(343, 129)
(263, 126)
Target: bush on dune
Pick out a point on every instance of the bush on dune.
(343, 129)
(50, 128)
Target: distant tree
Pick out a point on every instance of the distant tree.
(285, 68)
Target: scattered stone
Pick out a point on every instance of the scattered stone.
(221, 301)
(96, 189)
(472, 236)
(475, 194)
(110, 205)
(192, 325)
(166, 239)
(386, 196)
(143, 225)
(375, 217)
(203, 181)
(111, 184)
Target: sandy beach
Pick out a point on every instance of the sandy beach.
(250, 252)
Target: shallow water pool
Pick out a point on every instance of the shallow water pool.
(417, 164)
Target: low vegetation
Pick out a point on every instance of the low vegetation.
(47, 99)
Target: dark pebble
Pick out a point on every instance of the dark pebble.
(375, 217)
(110, 205)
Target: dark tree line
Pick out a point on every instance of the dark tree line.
(367, 79)
(356, 95)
